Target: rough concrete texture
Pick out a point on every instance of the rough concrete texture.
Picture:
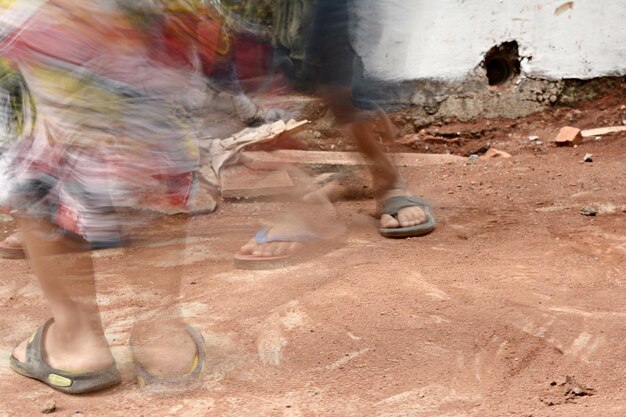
(517, 100)
(435, 101)
(432, 101)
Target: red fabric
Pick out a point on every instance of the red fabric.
(253, 58)
(173, 43)
(208, 38)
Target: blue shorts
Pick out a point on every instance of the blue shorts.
(330, 57)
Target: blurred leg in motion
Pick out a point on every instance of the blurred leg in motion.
(331, 60)
(374, 136)
(160, 339)
(330, 63)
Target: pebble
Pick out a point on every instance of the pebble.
(317, 134)
(474, 157)
(533, 138)
(539, 142)
(49, 407)
(588, 158)
(589, 211)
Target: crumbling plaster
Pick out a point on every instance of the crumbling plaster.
(404, 40)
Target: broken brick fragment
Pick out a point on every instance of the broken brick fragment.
(494, 153)
(569, 136)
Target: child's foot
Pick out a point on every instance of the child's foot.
(406, 217)
(62, 364)
(76, 352)
(273, 248)
(316, 221)
(165, 350)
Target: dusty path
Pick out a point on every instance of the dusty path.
(488, 316)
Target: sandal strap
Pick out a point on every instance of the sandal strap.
(398, 184)
(263, 238)
(34, 348)
(393, 205)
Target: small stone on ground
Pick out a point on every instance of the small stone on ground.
(49, 407)
(589, 211)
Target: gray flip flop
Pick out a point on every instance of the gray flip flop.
(145, 378)
(393, 205)
(36, 367)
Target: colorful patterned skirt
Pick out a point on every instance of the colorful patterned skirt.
(106, 134)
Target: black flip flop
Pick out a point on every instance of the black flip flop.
(36, 367)
(393, 205)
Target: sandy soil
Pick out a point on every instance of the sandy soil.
(515, 292)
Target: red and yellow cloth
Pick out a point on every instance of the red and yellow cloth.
(107, 132)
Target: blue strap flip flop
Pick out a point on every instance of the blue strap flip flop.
(315, 245)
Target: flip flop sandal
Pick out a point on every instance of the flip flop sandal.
(315, 246)
(145, 378)
(393, 205)
(36, 367)
(11, 247)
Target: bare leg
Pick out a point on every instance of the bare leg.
(75, 342)
(386, 179)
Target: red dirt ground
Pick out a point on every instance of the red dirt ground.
(515, 292)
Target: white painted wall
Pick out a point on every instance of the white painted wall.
(447, 39)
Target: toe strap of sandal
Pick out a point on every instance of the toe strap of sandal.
(263, 238)
(393, 205)
(34, 348)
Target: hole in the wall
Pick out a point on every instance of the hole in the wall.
(502, 63)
